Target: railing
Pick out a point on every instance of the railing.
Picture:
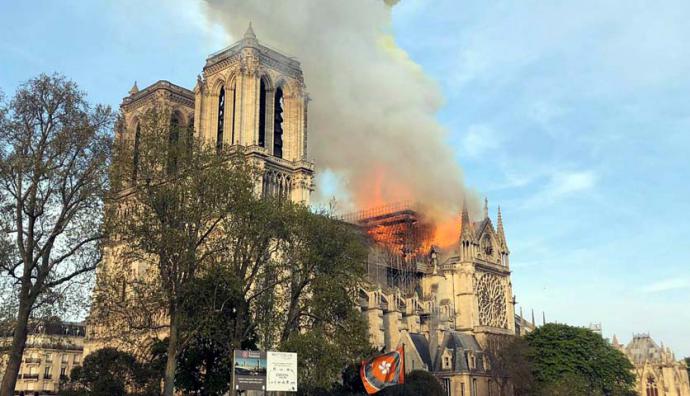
(30, 376)
(32, 360)
(49, 376)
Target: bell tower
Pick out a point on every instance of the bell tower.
(251, 98)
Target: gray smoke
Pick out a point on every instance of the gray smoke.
(372, 118)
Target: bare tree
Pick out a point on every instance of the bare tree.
(54, 154)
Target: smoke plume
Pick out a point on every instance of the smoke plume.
(372, 118)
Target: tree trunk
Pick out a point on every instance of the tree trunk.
(9, 380)
(171, 363)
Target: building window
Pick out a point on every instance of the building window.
(173, 139)
(651, 387)
(234, 102)
(462, 389)
(446, 386)
(278, 124)
(65, 358)
(262, 114)
(221, 118)
(474, 387)
(77, 359)
(489, 387)
(47, 374)
(49, 358)
(135, 155)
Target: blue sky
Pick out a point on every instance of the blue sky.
(573, 116)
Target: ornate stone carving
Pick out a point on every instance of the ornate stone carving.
(491, 300)
(249, 62)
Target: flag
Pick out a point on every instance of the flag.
(383, 370)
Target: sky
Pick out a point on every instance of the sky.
(572, 116)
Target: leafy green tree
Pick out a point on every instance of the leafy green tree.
(223, 268)
(566, 357)
(417, 382)
(326, 261)
(174, 195)
(54, 157)
(110, 372)
(210, 308)
(510, 367)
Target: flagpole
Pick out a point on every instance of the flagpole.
(404, 363)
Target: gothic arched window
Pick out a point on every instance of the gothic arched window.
(262, 114)
(234, 100)
(651, 387)
(278, 124)
(221, 118)
(173, 139)
(135, 152)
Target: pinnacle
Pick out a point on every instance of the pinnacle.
(249, 34)
(134, 89)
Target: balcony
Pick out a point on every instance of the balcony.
(48, 376)
(32, 360)
(30, 376)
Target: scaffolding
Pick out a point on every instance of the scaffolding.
(398, 236)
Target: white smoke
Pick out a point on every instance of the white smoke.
(372, 118)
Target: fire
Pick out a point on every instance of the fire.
(406, 229)
(382, 188)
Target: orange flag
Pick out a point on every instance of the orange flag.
(383, 370)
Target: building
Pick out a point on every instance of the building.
(52, 351)
(656, 368)
(442, 304)
(249, 97)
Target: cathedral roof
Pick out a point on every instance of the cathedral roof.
(642, 348)
(249, 40)
(177, 91)
(421, 344)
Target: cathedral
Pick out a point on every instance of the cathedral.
(441, 303)
(657, 371)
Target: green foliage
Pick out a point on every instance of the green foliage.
(508, 357)
(209, 310)
(54, 156)
(417, 382)
(109, 372)
(576, 360)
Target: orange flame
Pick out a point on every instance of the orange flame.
(385, 187)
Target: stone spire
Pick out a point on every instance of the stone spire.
(249, 36)
(486, 207)
(134, 89)
(533, 322)
(499, 229)
(614, 342)
(465, 225)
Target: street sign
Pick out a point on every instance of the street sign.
(249, 370)
(281, 371)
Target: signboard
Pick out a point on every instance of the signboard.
(249, 370)
(282, 371)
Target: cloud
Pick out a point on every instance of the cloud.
(667, 285)
(479, 140)
(563, 184)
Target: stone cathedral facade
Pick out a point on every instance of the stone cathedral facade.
(252, 99)
(460, 297)
(248, 97)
